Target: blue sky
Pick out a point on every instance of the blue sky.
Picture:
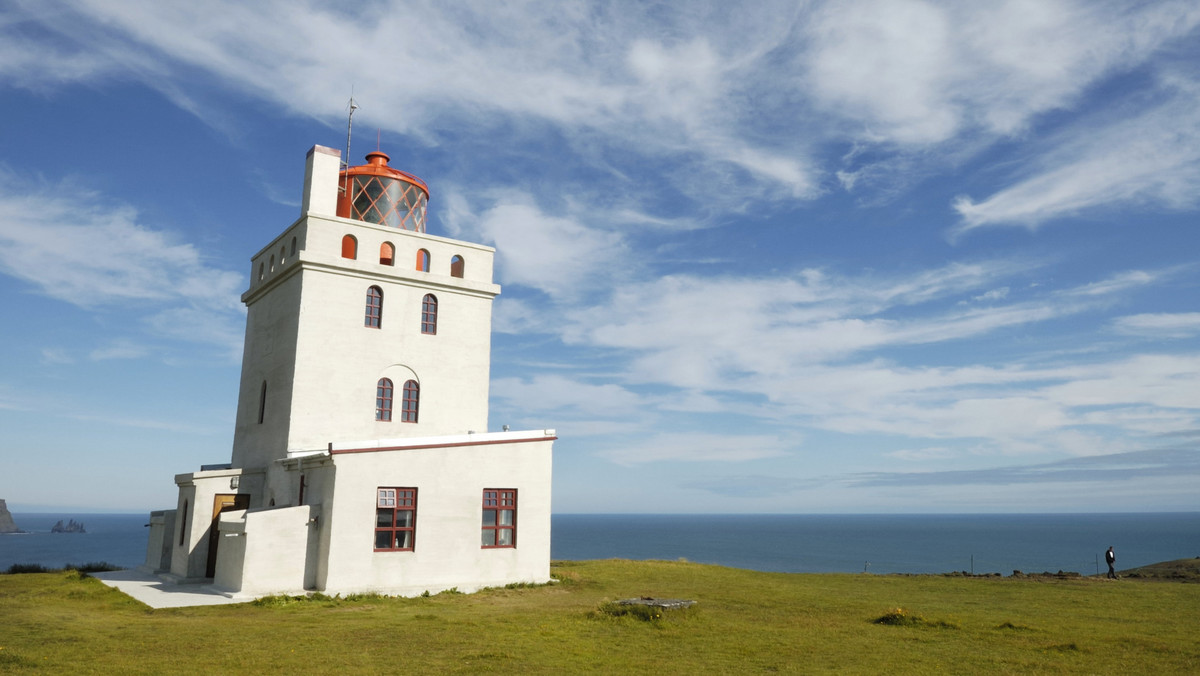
(762, 257)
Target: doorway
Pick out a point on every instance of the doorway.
(222, 502)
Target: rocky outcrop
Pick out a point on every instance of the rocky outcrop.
(71, 526)
(7, 525)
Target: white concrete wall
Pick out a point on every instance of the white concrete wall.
(321, 169)
(159, 547)
(197, 489)
(305, 336)
(182, 538)
(266, 552)
(268, 355)
(449, 483)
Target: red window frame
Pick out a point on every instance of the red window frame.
(383, 400)
(499, 524)
(410, 402)
(374, 313)
(429, 312)
(395, 519)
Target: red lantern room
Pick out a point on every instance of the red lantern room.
(376, 193)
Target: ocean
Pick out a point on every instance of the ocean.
(908, 543)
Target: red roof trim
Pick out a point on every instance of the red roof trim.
(424, 446)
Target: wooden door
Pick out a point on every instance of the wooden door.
(222, 502)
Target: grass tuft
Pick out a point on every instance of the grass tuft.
(635, 611)
(904, 618)
(1013, 627)
(89, 567)
(26, 568)
(279, 601)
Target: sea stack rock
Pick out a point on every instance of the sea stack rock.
(7, 525)
(71, 526)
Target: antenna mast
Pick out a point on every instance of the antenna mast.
(346, 162)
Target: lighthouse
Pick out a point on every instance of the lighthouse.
(362, 459)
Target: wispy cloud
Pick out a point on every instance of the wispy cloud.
(1116, 467)
(1151, 158)
(697, 448)
(560, 256)
(1159, 325)
(73, 247)
(701, 91)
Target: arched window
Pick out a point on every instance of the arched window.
(387, 254)
(272, 263)
(262, 402)
(383, 400)
(261, 271)
(293, 247)
(282, 255)
(456, 266)
(374, 315)
(422, 261)
(349, 247)
(429, 314)
(409, 405)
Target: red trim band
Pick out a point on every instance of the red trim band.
(417, 448)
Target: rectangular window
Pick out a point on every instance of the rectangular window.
(395, 519)
(499, 517)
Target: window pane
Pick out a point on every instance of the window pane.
(489, 517)
(404, 519)
(383, 518)
(383, 539)
(404, 539)
(506, 517)
(506, 538)
(489, 538)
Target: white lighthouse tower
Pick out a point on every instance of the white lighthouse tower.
(362, 459)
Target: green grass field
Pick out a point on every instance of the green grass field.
(743, 622)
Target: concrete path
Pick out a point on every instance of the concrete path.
(157, 593)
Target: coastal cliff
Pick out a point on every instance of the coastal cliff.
(7, 525)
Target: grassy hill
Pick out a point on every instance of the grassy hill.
(743, 622)
(1179, 570)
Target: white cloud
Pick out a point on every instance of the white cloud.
(697, 448)
(1152, 157)
(995, 294)
(1159, 325)
(79, 250)
(918, 72)
(724, 95)
(56, 355)
(118, 350)
(689, 331)
(557, 255)
(555, 394)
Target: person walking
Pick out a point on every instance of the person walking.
(1111, 558)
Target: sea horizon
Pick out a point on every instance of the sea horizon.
(790, 543)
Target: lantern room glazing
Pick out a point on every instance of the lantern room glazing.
(376, 193)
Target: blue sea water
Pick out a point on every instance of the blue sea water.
(990, 543)
(119, 539)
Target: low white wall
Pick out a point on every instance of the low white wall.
(158, 544)
(265, 552)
